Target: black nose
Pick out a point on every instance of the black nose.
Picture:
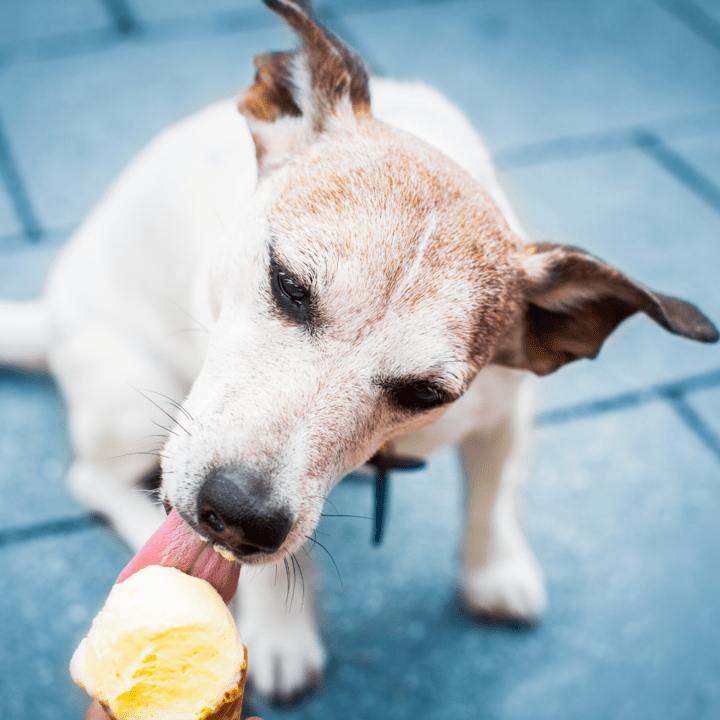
(236, 508)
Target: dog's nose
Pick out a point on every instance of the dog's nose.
(235, 508)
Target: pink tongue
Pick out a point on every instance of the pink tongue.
(176, 545)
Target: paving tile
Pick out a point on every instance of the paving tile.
(75, 122)
(24, 264)
(627, 503)
(33, 19)
(633, 628)
(700, 17)
(707, 404)
(51, 590)
(710, 7)
(9, 224)
(626, 209)
(702, 152)
(527, 71)
(34, 452)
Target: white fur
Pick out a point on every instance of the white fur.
(131, 302)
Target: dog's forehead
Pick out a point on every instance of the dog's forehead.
(394, 232)
(375, 190)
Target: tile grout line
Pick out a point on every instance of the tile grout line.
(16, 190)
(123, 18)
(664, 391)
(596, 144)
(62, 526)
(567, 148)
(694, 421)
(701, 23)
(680, 169)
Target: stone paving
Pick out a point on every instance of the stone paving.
(604, 116)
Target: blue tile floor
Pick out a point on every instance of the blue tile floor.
(605, 118)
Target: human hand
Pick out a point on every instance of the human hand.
(96, 712)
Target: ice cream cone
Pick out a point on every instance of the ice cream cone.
(164, 647)
(231, 706)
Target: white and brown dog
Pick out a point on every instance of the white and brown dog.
(361, 276)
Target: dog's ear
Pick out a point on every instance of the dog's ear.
(300, 94)
(571, 301)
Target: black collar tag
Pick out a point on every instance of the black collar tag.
(384, 462)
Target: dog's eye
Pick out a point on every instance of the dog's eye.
(292, 290)
(420, 395)
(292, 299)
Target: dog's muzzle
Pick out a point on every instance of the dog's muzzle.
(236, 509)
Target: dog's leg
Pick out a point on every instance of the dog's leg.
(276, 613)
(103, 487)
(113, 420)
(501, 580)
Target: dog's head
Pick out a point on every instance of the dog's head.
(368, 282)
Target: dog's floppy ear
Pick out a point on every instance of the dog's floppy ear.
(300, 94)
(571, 301)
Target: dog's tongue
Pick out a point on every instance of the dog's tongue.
(176, 545)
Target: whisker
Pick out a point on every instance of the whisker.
(138, 452)
(317, 542)
(163, 410)
(151, 494)
(287, 577)
(221, 224)
(160, 441)
(162, 427)
(327, 501)
(302, 581)
(294, 572)
(189, 315)
(338, 515)
(174, 403)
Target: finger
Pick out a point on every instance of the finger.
(96, 712)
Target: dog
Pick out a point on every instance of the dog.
(327, 265)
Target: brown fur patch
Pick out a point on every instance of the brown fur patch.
(335, 69)
(270, 97)
(321, 80)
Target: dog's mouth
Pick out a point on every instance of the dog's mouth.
(176, 544)
(230, 546)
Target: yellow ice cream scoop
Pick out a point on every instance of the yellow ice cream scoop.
(163, 647)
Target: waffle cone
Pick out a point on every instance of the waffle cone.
(230, 707)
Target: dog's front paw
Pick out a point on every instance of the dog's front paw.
(286, 659)
(508, 592)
